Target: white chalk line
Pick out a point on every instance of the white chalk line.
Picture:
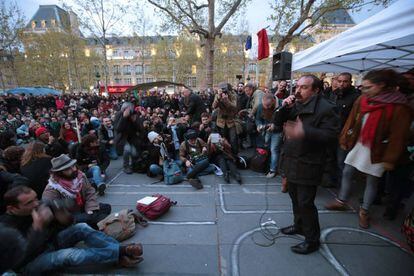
(324, 250)
(168, 193)
(327, 253)
(183, 222)
(155, 186)
(226, 211)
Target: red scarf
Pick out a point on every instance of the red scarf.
(375, 107)
(73, 187)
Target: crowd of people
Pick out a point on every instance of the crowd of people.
(55, 151)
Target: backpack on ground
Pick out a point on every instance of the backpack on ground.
(155, 206)
(172, 172)
(258, 162)
(121, 225)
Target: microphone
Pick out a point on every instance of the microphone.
(283, 107)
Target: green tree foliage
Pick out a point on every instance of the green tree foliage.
(57, 59)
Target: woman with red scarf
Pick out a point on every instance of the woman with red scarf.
(376, 132)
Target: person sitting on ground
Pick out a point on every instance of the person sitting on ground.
(35, 166)
(93, 161)
(51, 237)
(220, 153)
(68, 182)
(68, 134)
(11, 158)
(159, 152)
(54, 147)
(106, 138)
(193, 154)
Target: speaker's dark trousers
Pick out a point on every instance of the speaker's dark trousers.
(304, 210)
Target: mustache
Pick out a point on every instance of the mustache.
(298, 96)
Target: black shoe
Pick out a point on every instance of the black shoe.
(101, 189)
(196, 183)
(390, 213)
(291, 230)
(227, 178)
(305, 247)
(238, 178)
(128, 170)
(94, 186)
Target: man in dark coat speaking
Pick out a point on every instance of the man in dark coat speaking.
(311, 124)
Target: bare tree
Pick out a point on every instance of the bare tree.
(100, 18)
(11, 22)
(294, 17)
(199, 17)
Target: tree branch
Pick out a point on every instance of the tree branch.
(175, 18)
(227, 17)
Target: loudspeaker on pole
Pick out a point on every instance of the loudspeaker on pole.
(282, 66)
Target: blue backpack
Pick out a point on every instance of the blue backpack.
(172, 172)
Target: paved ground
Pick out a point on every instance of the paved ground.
(217, 231)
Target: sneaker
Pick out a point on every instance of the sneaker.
(101, 189)
(270, 174)
(196, 183)
(336, 205)
(128, 170)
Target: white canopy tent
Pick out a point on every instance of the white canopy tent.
(385, 40)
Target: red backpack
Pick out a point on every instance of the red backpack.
(157, 208)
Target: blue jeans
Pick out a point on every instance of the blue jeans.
(112, 152)
(130, 155)
(208, 169)
(275, 145)
(158, 170)
(100, 249)
(94, 174)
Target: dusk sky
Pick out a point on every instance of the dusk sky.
(256, 14)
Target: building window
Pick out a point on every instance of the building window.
(139, 81)
(192, 81)
(149, 79)
(115, 53)
(33, 24)
(138, 69)
(43, 23)
(127, 81)
(147, 69)
(116, 70)
(194, 69)
(117, 81)
(127, 69)
(252, 67)
(126, 53)
(53, 22)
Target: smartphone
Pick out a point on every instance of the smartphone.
(214, 138)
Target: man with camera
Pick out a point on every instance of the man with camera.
(193, 154)
(225, 104)
(51, 236)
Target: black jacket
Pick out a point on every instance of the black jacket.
(302, 160)
(195, 107)
(344, 101)
(37, 172)
(104, 137)
(242, 100)
(127, 130)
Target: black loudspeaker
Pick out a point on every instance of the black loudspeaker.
(282, 66)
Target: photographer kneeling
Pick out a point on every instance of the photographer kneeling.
(67, 182)
(193, 153)
(51, 237)
(220, 153)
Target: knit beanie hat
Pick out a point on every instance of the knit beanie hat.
(152, 136)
